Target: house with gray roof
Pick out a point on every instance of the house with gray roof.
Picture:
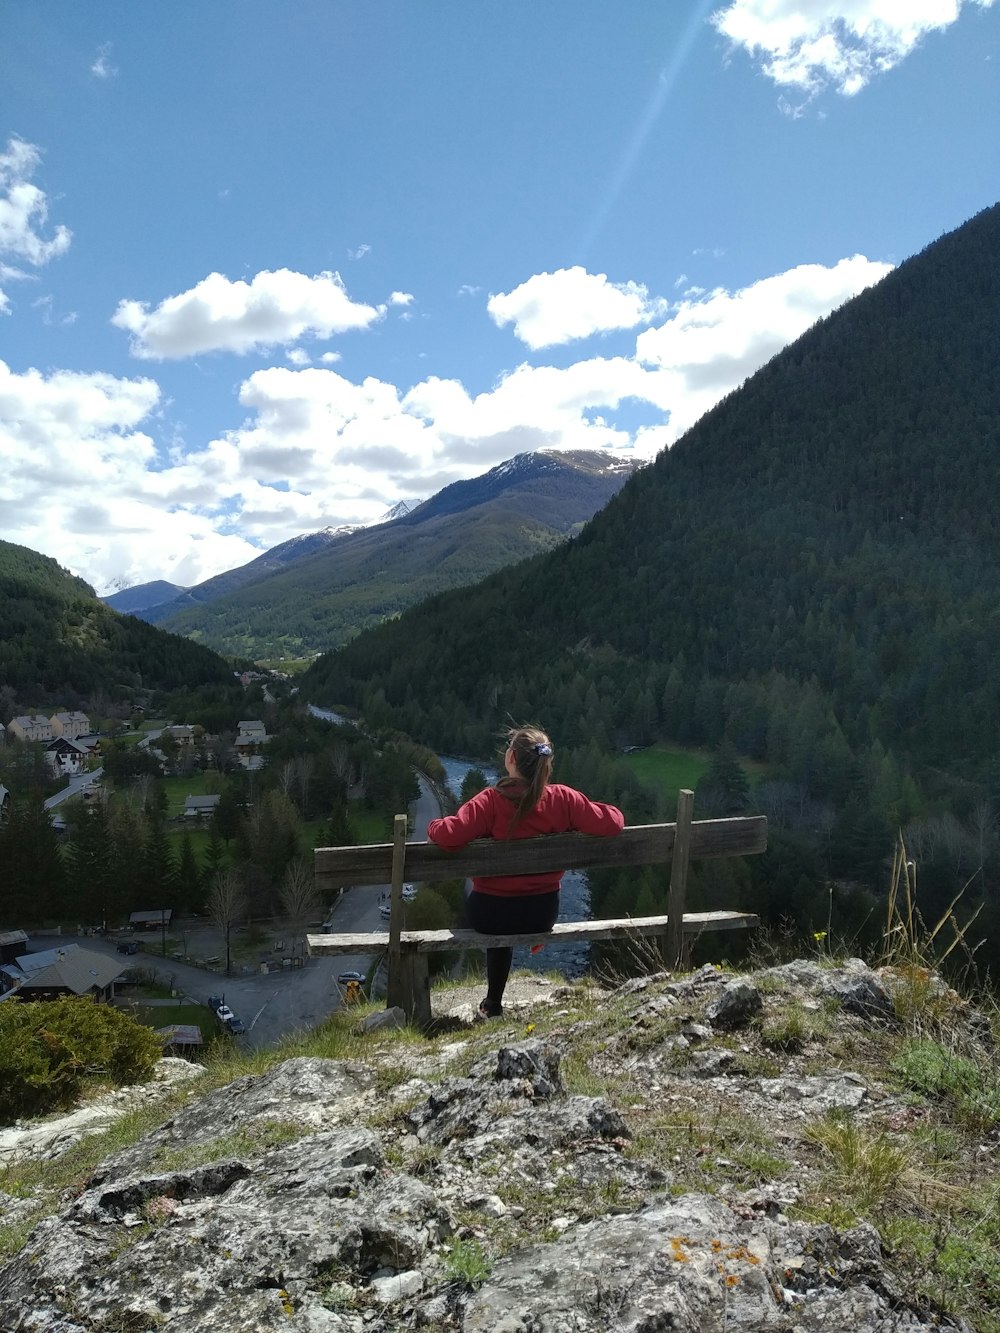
(31, 727)
(71, 725)
(66, 970)
(200, 807)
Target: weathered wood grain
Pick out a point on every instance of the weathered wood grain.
(434, 941)
(640, 844)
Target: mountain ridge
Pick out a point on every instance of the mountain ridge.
(469, 528)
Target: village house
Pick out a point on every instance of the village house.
(66, 757)
(200, 807)
(251, 737)
(183, 735)
(157, 919)
(3, 733)
(66, 970)
(4, 801)
(12, 943)
(31, 727)
(70, 725)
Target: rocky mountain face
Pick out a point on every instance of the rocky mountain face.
(297, 599)
(141, 597)
(628, 1162)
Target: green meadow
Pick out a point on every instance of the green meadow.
(667, 768)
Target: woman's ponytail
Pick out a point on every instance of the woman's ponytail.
(533, 759)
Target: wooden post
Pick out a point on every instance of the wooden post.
(396, 989)
(674, 938)
(416, 986)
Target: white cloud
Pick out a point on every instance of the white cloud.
(810, 44)
(710, 346)
(400, 298)
(274, 309)
(23, 213)
(298, 356)
(467, 289)
(102, 67)
(553, 308)
(360, 252)
(315, 449)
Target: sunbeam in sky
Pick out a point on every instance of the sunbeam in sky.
(665, 81)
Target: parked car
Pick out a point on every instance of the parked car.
(345, 977)
(409, 892)
(385, 909)
(236, 1026)
(214, 1002)
(128, 946)
(224, 1014)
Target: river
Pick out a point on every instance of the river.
(571, 959)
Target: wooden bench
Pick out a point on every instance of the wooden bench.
(423, 862)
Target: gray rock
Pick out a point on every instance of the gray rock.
(532, 1064)
(861, 993)
(736, 1006)
(304, 1092)
(383, 1020)
(692, 1265)
(228, 1247)
(398, 1286)
(710, 1064)
(817, 1094)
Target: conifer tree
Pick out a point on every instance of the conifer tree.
(33, 869)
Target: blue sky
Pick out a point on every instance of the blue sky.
(268, 267)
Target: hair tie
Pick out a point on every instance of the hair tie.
(543, 749)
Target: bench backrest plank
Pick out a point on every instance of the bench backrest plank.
(434, 941)
(640, 844)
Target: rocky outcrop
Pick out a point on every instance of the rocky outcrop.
(317, 1198)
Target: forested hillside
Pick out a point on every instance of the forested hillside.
(466, 531)
(56, 636)
(810, 574)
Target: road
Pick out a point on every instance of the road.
(275, 1004)
(74, 785)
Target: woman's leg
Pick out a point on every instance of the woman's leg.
(492, 914)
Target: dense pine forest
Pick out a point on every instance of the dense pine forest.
(59, 642)
(808, 577)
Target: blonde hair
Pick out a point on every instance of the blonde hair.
(533, 760)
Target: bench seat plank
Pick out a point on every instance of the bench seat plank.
(433, 941)
(639, 844)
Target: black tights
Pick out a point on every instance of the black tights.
(493, 914)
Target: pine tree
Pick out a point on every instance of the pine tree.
(189, 875)
(33, 869)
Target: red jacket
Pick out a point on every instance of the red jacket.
(489, 815)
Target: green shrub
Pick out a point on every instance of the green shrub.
(48, 1049)
(936, 1071)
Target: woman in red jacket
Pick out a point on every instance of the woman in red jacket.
(524, 804)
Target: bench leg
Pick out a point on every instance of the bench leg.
(415, 986)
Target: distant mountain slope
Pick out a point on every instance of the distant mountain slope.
(142, 597)
(812, 571)
(468, 530)
(55, 634)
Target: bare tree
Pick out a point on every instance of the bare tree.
(983, 827)
(300, 900)
(226, 904)
(286, 776)
(304, 765)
